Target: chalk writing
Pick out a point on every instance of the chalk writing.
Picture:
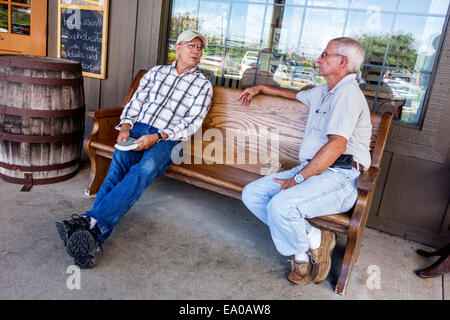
(82, 38)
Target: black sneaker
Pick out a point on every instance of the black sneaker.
(67, 227)
(81, 246)
(79, 241)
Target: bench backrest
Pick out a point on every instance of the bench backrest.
(268, 116)
(267, 123)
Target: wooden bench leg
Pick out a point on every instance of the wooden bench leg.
(354, 239)
(99, 170)
(350, 257)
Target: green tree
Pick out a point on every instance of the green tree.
(402, 52)
(180, 23)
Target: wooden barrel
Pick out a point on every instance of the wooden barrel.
(41, 119)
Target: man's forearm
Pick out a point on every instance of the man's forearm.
(279, 92)
(326, 156)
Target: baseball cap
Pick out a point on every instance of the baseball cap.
(188, 35)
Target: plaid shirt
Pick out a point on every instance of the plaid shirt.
(174, 104)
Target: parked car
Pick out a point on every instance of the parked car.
(283, 73)
(402, 85)
(249, 61)
(294, 77)
(214, 64)
(220, 66)
(250, 57)
(20, 29)
(303, 77)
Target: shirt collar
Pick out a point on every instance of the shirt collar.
(347, 78)
(192, 70)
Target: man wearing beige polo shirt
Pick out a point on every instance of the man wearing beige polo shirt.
(334, 150)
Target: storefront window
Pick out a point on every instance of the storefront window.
(277, 42)
(15, 16)
(20, 18)
(3, 17)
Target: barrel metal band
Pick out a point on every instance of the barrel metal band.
(42, 81)
(60, 166)
(41, 113)
(41, 139)
(29, 181)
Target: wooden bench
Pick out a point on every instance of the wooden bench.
(265, 112)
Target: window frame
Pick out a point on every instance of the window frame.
(426, 100)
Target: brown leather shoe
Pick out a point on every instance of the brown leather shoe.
(437, 269)
(301, 272)
(321, 257)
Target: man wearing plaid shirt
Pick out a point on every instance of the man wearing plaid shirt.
(168, 107)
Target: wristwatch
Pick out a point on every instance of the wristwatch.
(160, 137)
(299, 178)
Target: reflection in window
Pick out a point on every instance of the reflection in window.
(377, 5)
(20, 20)
(424, 6)
(320, 26)
(3, 17)
(372, 30)
(329, 3)
(277, 42)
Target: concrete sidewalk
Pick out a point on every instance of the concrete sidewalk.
(182, 242)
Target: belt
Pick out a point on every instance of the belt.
(356, 165)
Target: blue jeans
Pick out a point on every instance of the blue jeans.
(285, 211)
(129, 175)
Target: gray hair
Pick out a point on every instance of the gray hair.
(353, 50)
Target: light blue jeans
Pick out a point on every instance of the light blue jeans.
(129, 175)
(285, 211)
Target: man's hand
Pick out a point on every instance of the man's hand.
(248, 94)
(286, 183)
(124, 133)
(147, 140)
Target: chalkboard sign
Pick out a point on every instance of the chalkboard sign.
(82, 36)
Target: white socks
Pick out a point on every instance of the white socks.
(93, 223)
(302, 256)
(314, 239)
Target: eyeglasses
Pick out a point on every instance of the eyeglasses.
(191, 45)
(325, 54)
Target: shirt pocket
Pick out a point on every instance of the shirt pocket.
(320, 121)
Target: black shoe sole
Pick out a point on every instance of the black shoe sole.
(81, 245)
(85, 262)
(63, 232)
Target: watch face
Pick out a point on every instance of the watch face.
(299, 178)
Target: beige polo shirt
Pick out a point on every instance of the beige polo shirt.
(341, 111)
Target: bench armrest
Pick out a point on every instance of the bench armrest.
(366, 180)
(104, 113)
(103, 130)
